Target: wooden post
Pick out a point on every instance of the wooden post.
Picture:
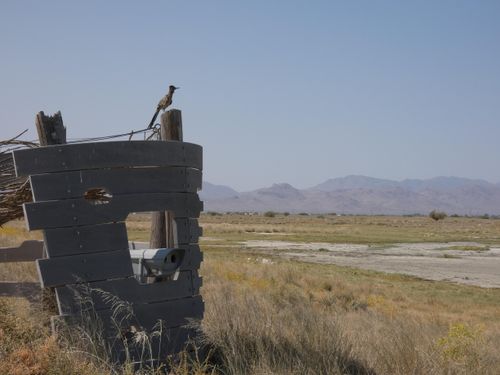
(51, 131)
(162, 223)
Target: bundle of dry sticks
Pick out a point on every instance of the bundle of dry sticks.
(14, 191)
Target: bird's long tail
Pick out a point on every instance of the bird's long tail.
(153, 119)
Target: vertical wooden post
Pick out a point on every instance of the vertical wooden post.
(51, 131)
(162, 223)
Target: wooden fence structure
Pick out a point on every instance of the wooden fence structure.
(87, 259)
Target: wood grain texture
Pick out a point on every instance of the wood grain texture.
(187, 231)
(84, 268)
(85, 239)
(73, 157)
(173, 313)
(158, 233)
(51, 130)
(99, 295)
(28, 251)
(170, 341)
(76, 212)
(118, 181)
(162, 231)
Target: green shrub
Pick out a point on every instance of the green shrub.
(270, 214)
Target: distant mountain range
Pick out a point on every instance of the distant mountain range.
(362, 195)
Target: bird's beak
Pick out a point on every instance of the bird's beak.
(177, 88)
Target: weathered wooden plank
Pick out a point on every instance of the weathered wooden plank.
(187, 230)
(85, 239)
(162, 234)
(28, 290)
(72, 299)
(140, 317)
(192, 257)
(172, 313)
(181, 230)
(74, 184)
(51, 130)
(195, 231)
(76, 212)
(170, 341)
(84, 268)
(72, 157)
(28, 251)
(158, 346)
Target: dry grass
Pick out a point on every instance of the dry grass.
(284, 317)
(289, 317)
(351, 229)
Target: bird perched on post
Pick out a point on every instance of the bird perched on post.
(163, 104)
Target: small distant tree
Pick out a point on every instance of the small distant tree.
(437, 215)
(286, 213)
(270, 214)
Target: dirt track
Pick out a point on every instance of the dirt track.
(432, 261)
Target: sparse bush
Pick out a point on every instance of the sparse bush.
(286, 213)
(269, 214)
(213, 213)
(303, 213)
(461, 344)
(437, 215)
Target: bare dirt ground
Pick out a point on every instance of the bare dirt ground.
(432, 261)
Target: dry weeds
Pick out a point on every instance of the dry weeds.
(284, 317)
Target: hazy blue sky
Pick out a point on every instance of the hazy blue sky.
(275, 91)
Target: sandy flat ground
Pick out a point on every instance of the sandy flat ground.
(432, 261)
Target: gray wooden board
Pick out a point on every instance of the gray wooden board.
(75, 212)
(72, 299)
(85, 239)
(105, 237)
(29, 290)
(74, 184)
(84, 268)
(171, 341)
(101, 266)
(187, 230)
(28, 251)
(192, 257)
(72, 157)
(174, 313)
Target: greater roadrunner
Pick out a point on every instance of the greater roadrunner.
(163, 104)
